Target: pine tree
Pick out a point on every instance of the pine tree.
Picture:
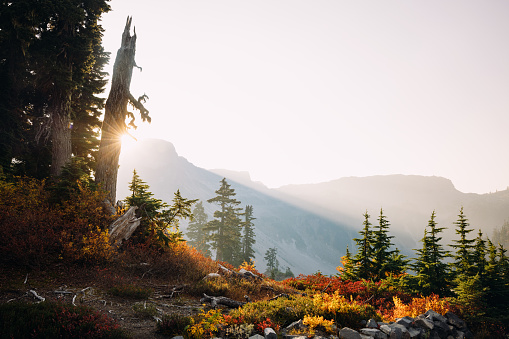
(479, 256)
(198, 237)
(432, 272)
(463, 258)
(248, 237)
(225, 229)
(363, 259)
(272, 262)
(347, 272)
(142, 198)
(381, 248)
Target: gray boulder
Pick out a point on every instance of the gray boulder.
(269, 333)
(374, 333)
(348, 333)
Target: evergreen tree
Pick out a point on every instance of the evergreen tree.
(225, 229)
(248, 237)
(347, 272)
(463, 258)
(160, 221)
(272, 262)
(142, 198)
(479, 256)
(363, 264)
(198, 237)
(432, 272)
(381, 248)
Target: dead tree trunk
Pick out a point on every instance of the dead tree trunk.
(122, 228)
(114, 125)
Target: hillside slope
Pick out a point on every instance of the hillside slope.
(306, 242)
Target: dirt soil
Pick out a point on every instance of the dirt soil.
(84, 288)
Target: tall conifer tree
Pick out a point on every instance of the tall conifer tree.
(463, 258)
(381, 248)
(248, 236)
(198, 237)
(225, 229)
(363, 260)
(432, 272)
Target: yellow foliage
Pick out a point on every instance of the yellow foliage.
(207, 326)
(314, 322)
(92, 247)
(419, 306)
(248, 266)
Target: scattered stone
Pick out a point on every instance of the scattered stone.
(405, 321)
(374, 333)
(256, 336)
(426, 324)
(372, 323)
(348, 333)
(270, 333)
(432, 315)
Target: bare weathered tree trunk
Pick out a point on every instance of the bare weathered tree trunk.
(114, 125)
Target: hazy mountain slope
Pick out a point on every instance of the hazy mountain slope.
(407, 201)
(306, 242)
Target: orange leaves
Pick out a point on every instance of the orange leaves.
(419, 306)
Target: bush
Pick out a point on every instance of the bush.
(53, 320)
(35, 233)
(173, 324)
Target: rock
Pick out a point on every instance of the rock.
(454, 320)
(256, 336)
(348, 333)
(426, 324)
(269, 333)
(415, 332)
(295, 325)
(432, 315)
(405, 321)
(178, 337)
(372, 323)
(374, 333)
(441, 328)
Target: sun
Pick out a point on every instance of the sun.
(128, 141)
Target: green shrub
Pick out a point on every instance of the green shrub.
(54, 320)
(143, 310)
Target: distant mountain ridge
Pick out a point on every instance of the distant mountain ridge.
(312, 224)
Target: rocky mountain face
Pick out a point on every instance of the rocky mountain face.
(311, 225)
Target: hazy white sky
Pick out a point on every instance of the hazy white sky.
(308, 91)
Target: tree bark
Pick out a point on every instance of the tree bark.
(114, 125)
(122, 228)
(60, 113)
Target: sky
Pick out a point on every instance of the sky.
(310, 91)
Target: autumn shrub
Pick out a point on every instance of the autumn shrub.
(345, 312)
(173, 324)
(318, 322)
(177, 260)
(282, 311)
(418, 306)
(36, 233)
(205, 325)
(54, 320)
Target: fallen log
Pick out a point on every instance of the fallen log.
(214, 301)
(122, 228)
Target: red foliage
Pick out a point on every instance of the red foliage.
(378, 294)
(261, 326)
